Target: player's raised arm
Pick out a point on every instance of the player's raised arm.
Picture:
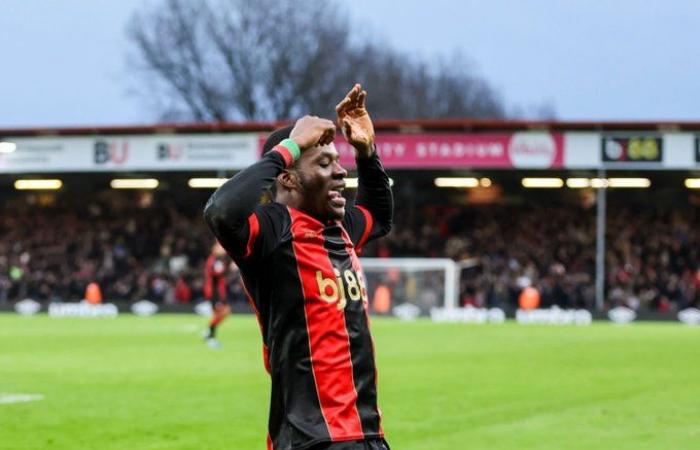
(228, 210)
(374, 198)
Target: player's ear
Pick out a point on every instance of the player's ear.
(288, 179)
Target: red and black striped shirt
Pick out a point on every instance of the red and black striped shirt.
(305, 282)
(215, 278)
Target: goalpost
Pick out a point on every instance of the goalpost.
(414, 284)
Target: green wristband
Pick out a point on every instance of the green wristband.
(293, 148)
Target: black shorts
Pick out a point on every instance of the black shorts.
(370, 444)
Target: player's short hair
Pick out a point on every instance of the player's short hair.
(276, 137)
(272, 140)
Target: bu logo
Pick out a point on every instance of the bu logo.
(169, 152)
(110, 152)
(351, 285)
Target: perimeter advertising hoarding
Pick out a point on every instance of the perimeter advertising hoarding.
(641, 149)
(443, 151)
(421, 151)
(235, 151)
(129, 153)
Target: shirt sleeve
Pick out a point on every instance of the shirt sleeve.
(372, 215)
(233, 212)
(267, 225)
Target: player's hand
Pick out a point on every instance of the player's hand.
(310, 131)
(355, 122)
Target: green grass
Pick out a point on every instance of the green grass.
(150, 383)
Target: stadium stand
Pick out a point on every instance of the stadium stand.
(138, 245)
(53, 252)
(156, 251)
(652, 256)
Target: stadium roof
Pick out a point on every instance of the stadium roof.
(401, 125)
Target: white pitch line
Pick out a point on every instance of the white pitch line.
(7, 399)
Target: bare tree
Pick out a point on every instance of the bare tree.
(269, 59)
(173, 47)
(411, 88)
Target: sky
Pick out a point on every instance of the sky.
(64, 62)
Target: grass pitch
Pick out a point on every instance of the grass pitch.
(150, 383)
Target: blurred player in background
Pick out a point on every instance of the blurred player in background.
(297, 256)
(216, 270)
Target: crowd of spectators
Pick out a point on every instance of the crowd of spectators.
(132, 252)
(652, 257)
(157, 252)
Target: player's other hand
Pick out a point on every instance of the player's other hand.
(355, 122)
(310, 131)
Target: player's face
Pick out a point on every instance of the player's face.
(322, 181)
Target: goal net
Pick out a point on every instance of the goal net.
(410, 286)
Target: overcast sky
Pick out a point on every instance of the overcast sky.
(63, 62)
